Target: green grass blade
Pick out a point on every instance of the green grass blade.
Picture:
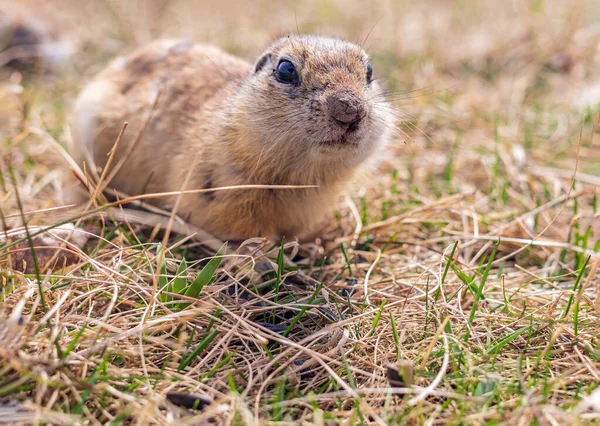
(163, 281)
(203, 345)
(395, 334)
(303, 310)
(180, 281)
(205, 276)
(479, 294)
(506, 340)
(347, 259)
(446, 268)
(280, 267)
(575, 287)
(75, 340)
(377, 318)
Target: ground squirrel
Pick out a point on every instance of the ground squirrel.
(307, 113)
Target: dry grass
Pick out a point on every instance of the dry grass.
(472, 251)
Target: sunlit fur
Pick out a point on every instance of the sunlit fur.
(223, 121)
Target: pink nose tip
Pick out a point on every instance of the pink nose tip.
(345, 107)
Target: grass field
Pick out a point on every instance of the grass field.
(468, 259)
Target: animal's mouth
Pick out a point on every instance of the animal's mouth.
(341, 142)
(347, 135)
(348, 138)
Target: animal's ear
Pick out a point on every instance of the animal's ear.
(264, 60)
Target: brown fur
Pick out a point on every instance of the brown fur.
(234, 124)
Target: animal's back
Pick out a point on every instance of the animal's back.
(170, 79)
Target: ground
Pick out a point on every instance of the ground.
(468, 258)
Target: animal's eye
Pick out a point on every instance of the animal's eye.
(286, 72)
(369, 72)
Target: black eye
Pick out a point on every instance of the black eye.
(286, 72)
(369, 72)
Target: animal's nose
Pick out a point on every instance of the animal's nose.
(345, 106)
